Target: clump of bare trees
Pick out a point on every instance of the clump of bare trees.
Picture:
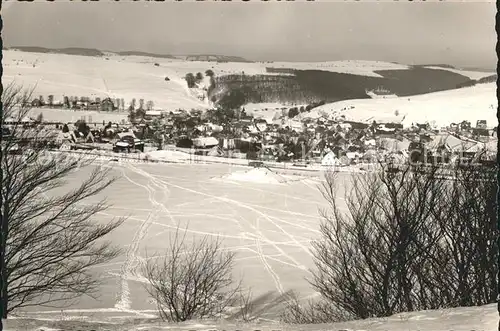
(193, 280)
(51, 236)
(404, 241)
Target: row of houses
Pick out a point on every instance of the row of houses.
(106, 104)
(340, 136)
(282, 138)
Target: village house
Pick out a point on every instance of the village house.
(205, 142)
(57, 104)
(449, 142)
(454, 127)
(153, 114)
(261, 124)
(94, 106)
(480, 132)
(107, 105)
(465, 126)
(481, 124)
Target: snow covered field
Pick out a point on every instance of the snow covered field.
(441, 108)
(269, 226)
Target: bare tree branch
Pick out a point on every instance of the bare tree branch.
(192, 281)
(409, 240)
(53, 237)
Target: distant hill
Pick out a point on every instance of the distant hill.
(445, 66)
(480, 69)
(217, 58)
(145, 54)
(95, 52)
(484, 80)
(86, 51)
(68, 51)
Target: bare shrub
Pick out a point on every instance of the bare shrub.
(309, 312)
(468, 247)
(410, 240)
(50, 239)
(193, 280)
(246, 306)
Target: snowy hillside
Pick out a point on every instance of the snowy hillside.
(73, 75)
(468, 73)
(140, 77)
(441, 108)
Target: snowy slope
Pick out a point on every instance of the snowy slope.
(71, 75)
(467, 73)
(138, 77)
(442, 108)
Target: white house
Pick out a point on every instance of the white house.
(121, 135)
(205, 142)
(214, 127)
(330, 160)
(154, 113)
(370, 142)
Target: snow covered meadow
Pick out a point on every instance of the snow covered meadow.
(268, 219)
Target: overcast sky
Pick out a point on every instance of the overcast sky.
(460, 34)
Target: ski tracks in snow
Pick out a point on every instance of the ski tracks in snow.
(258, 235)
(133, 262)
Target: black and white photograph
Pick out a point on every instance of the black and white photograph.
(249, 165)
